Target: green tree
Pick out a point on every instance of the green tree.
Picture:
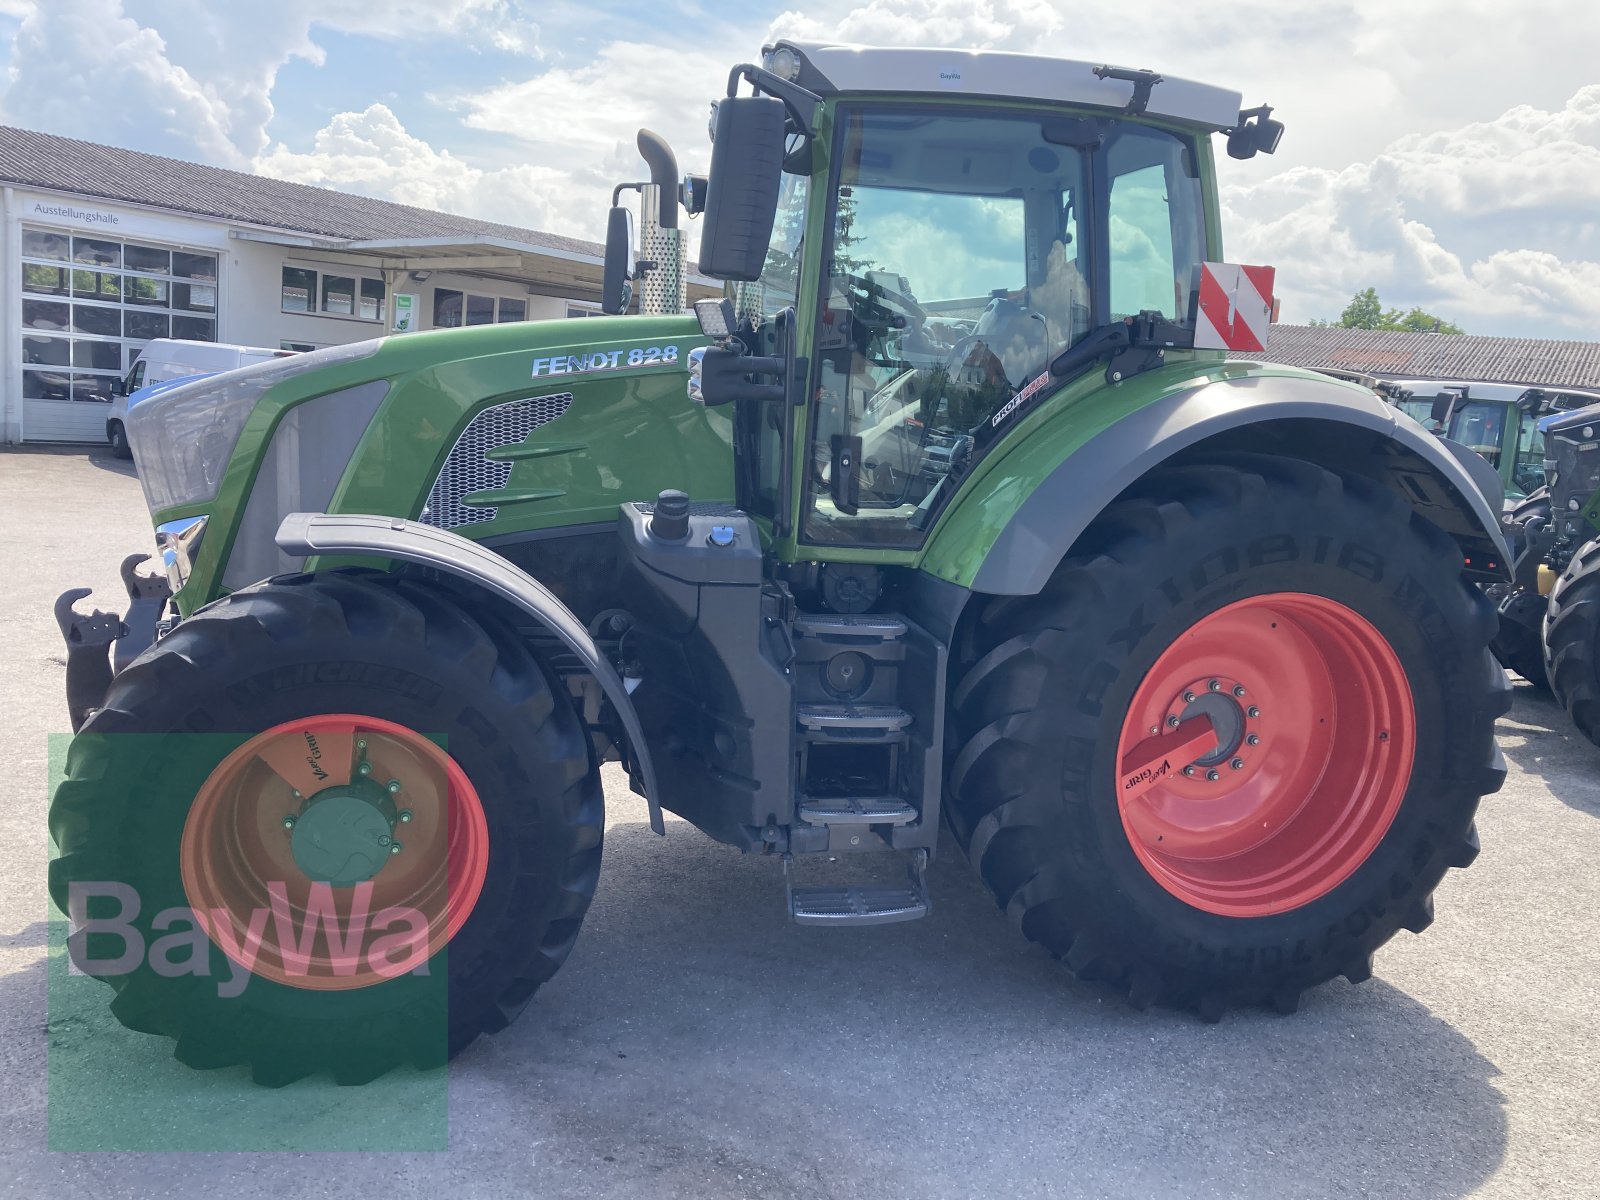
(1366, 311)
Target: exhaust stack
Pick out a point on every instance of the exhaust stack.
(663, 289)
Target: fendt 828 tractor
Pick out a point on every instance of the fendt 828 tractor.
(945, 515)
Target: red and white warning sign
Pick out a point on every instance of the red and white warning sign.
(1234, 307)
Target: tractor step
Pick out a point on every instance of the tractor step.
(834, 627)
(853, 722)
(860, 903)
(855, 810)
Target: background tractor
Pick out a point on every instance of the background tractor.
(1554, 596)
(951, 515)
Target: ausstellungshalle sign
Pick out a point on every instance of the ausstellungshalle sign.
(53, 210)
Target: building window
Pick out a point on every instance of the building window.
(480, 310)
(339, 295)
(298, 288)
(89, 304)
(446, 308)
(92, 303)
(372, 300)
(307, 291)
(513, 310)
(574, 309)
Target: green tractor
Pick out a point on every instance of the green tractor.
(1498, 421)
(953, 513)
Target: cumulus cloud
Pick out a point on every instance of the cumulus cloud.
(371, 153)
(87, 70)
(1472, 164)
(96, 70)
(1493, 225)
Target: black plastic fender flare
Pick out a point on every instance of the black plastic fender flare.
(307, 534)
(1057, 512)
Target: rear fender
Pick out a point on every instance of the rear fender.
(1296, 415)
(406, 541)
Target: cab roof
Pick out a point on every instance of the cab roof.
(833, 67)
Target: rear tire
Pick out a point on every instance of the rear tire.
(1038, 715)
(405, 658)
(1571, 632)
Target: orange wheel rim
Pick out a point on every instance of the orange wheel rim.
(334, 852)
(1265, 754)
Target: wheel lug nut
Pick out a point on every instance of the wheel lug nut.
(405, 816)
(394, 847)
(1238, 689)
(365, 768)
(1252, 711)
(288, 822)
(1212, 776)
(1253, 740)
(1237, 764)
(1188, 771)
(1214, 686)
(1188, 697)
(1173, 722)
(394, 786)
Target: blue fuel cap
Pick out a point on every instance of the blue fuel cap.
(721, 535)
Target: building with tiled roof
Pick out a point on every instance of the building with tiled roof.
(105, 249)
(1531, 362)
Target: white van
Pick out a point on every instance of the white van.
(166, 359)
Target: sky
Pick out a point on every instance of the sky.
(1446, 152)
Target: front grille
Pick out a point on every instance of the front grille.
(469, 468)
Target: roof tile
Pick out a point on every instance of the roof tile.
(1534, 362)
(63, 164)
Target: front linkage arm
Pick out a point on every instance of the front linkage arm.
(89, 638)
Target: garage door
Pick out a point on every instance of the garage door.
(88, 305)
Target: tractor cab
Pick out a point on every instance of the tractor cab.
(934, 263)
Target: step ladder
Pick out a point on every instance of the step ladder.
(867, 741)
(860, 903)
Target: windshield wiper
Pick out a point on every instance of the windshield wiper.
(1133, 344)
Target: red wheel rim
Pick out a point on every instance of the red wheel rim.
(252, 893)
(1265, 754)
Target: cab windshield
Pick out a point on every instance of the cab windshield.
(964, 253)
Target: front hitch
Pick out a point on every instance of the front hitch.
(89, 638)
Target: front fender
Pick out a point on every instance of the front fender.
(307, 534)
(1285, 412)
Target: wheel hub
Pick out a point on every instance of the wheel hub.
(1218, 700)
(344, 835)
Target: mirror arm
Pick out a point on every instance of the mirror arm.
(800, 102)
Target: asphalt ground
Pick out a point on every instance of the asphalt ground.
(697, 1044)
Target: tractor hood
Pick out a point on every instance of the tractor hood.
(496, 430)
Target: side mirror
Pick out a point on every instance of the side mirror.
(616, 289)
(118, 387)
(1443, 405)
(742, 193)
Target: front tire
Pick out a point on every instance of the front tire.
(1572, 640)
(263, 744)
(117, 437)
(1273, 865)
